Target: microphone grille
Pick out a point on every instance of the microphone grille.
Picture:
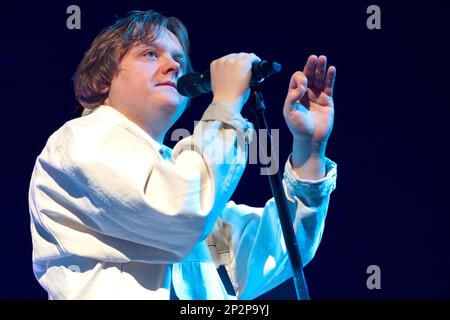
(194, 84)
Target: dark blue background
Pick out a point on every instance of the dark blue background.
(390, 138)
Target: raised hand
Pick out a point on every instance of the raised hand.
(309, 107)
(309, 114)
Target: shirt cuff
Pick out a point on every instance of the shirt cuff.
(320, 188)
(226, 113)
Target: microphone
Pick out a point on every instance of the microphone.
(195, 84)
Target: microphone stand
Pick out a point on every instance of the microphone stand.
(258, 107)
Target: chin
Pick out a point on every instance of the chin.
(165, 98)
(170, 106)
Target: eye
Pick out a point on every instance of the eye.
(180, 62)
(152, 54)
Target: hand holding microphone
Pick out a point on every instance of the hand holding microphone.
(229, 78)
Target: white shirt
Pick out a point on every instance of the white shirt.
(113, 216)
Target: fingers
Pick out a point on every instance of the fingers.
(242, 57)
(237, 61)
(297, 89)
(315, 69)
(319, 74)
(298, 79)
(230, 77)
(248, 57)
(329, 81)
(310, 68)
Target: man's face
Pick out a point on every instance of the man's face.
(144, 87)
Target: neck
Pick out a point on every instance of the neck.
(157, 135)
(156, 127)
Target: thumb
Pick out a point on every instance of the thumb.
(297, 89)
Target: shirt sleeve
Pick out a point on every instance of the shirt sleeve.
(249, 240)
(98, 191)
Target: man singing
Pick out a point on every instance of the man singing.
(115, 214)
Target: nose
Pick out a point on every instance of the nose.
(170, 65)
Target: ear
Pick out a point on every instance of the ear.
(102, 89)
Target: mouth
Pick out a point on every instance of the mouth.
(168, 83)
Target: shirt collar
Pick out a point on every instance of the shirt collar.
(113, 113)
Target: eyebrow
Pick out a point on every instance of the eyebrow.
(176, 55)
